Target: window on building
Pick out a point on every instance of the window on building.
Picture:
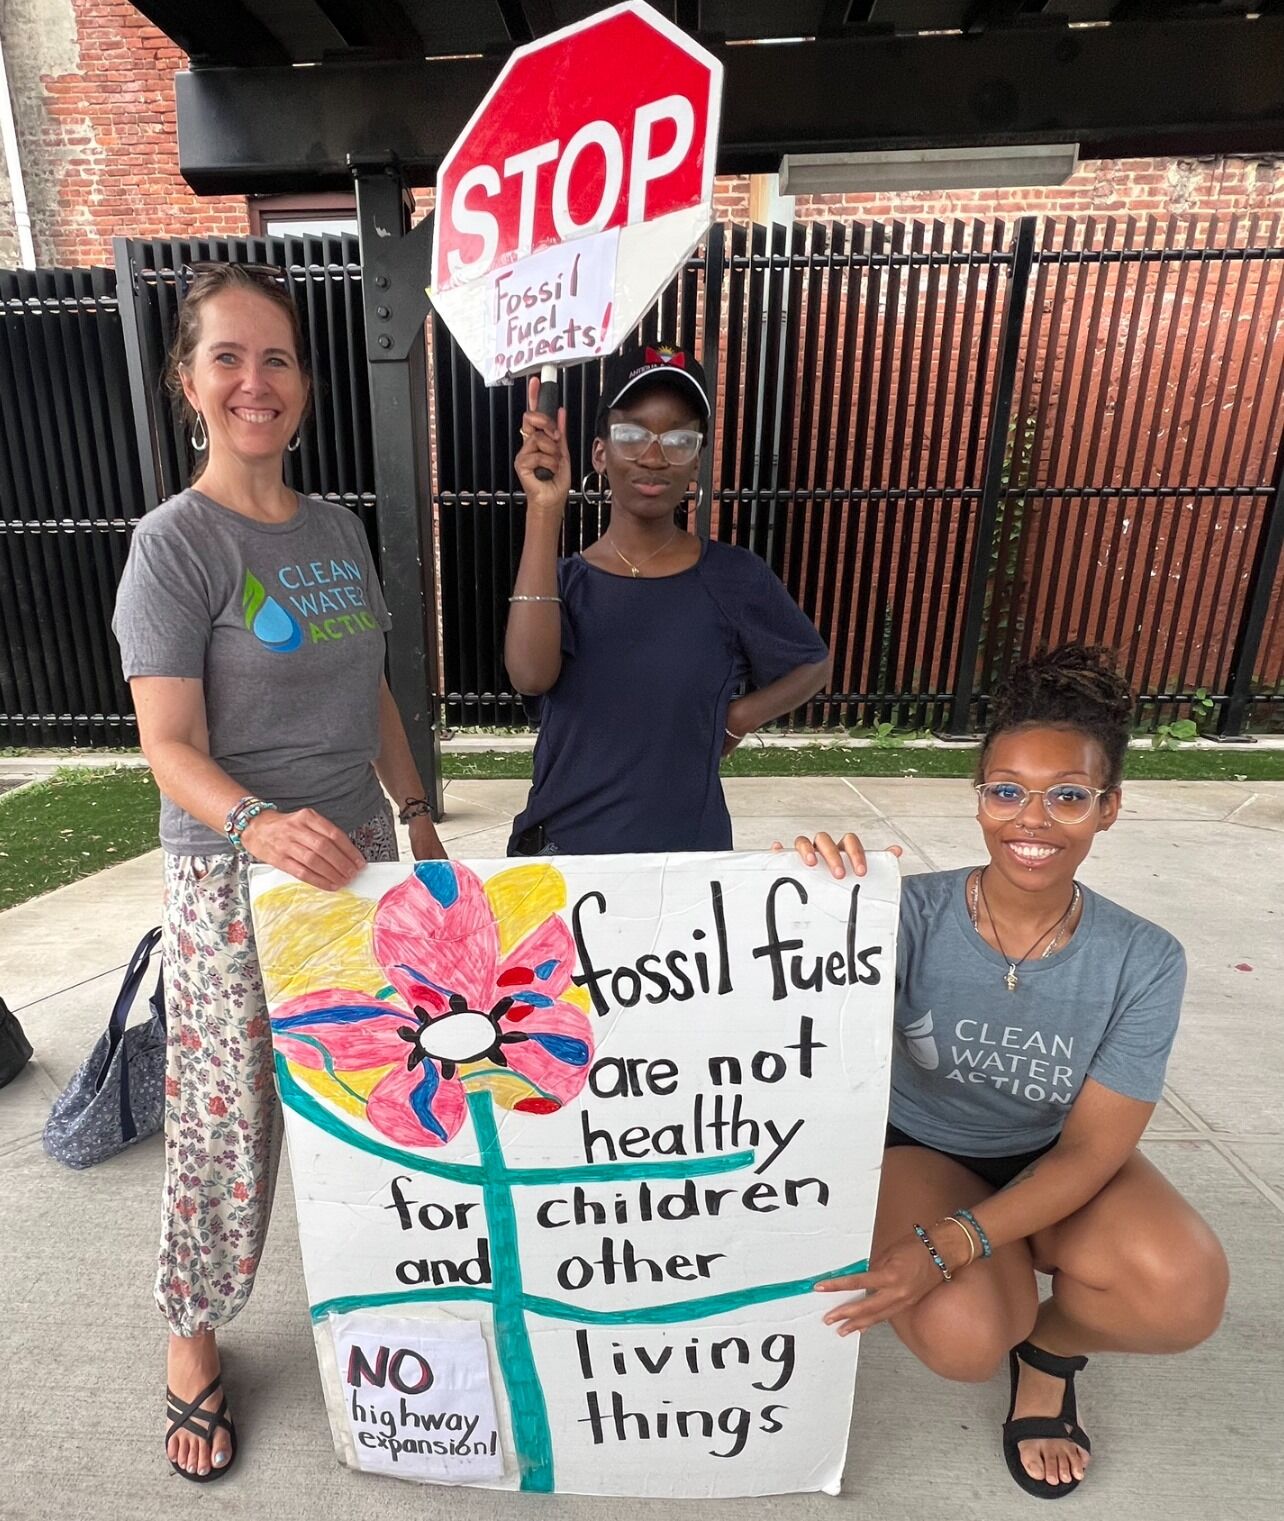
(280, 216)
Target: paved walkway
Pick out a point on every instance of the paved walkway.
(1197, 1436)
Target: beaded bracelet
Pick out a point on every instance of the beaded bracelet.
(970, 1218)
(936, 1256)
(534, 599)
(240, 816)
(232, 823)
(415, 808)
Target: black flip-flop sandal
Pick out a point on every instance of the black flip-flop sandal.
(203, 1424)
(1063, 1427)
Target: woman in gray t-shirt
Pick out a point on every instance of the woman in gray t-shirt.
(1033, 1023)
(251, 629)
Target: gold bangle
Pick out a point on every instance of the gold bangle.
(971, 1240)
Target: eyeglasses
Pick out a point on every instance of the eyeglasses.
(189, 272)
(1067, 803)
(679, 446)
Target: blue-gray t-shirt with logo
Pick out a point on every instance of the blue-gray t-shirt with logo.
(284, 623)
(981, 1071)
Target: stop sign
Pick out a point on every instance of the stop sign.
(583, 180)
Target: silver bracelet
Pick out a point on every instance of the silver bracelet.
(534, 599)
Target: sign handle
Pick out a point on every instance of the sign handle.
(547, 404)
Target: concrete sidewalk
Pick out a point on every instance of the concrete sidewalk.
(81, 1405)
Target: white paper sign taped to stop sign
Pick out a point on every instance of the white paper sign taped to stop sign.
(582, 182)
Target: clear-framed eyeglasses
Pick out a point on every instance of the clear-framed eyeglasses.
(189, 272)
(679, 446)
(1066, 803)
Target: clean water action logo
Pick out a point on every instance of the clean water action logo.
(267, 620)
(920, 1044)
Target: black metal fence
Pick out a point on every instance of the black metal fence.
(334, 458)
(69, 490)
(953, 441)
(89, 441)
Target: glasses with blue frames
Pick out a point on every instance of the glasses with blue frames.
(1066, 803)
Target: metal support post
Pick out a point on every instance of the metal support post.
(959, 729)
(1257, 603)
(395, 269)
(127, 298)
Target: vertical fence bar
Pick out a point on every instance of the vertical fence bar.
(1248, 641)
(996, 446)
(710, 357)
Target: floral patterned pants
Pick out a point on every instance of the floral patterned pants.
(222, 1130)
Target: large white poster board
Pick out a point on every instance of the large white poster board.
(572, 1142)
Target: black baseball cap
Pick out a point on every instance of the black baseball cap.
(631, 367)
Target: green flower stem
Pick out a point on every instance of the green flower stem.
(512, 1340)
(510, 1303)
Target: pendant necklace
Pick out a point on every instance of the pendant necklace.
(635, 567)
(1055, 930)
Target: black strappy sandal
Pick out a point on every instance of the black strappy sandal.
(203, 1424)
(1063, 1427)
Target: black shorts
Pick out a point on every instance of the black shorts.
(998, 1172)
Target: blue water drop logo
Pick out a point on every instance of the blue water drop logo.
(267, 620)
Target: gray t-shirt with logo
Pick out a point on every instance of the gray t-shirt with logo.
(284, 623)
(981, 1071)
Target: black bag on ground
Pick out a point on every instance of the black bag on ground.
(118, 1094)
(15, 1048)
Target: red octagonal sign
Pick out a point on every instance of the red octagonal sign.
(583, 180)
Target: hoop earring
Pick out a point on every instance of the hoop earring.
(200, 438)
(599, 498)
(295, 442)
(699, 496)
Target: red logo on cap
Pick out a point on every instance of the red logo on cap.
(667, 356)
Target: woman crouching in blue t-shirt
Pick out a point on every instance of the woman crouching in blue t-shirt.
(637, 647)
(1033, 1024)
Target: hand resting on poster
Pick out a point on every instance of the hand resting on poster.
(825, 848)
(174, 732)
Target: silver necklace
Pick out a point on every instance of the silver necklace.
(635, 566)
(1010, 976)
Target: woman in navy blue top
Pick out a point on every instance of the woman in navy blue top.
(637, 646)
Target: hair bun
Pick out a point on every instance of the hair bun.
(1076, 686)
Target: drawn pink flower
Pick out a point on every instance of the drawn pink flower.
(458, 1013)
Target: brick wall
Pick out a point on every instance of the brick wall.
(93, 86)
(94, 98)
(1136, 186)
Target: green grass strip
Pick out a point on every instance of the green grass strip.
(77, 822)
(81, 820)
(1193, 764)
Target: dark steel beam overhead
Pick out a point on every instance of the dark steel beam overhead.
(232, 32)
(1189, 87)
(228, 32)
(515, 22)
(380, 28)
(689, 15)
(539, 16)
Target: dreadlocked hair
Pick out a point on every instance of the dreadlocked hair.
(1075, 686)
